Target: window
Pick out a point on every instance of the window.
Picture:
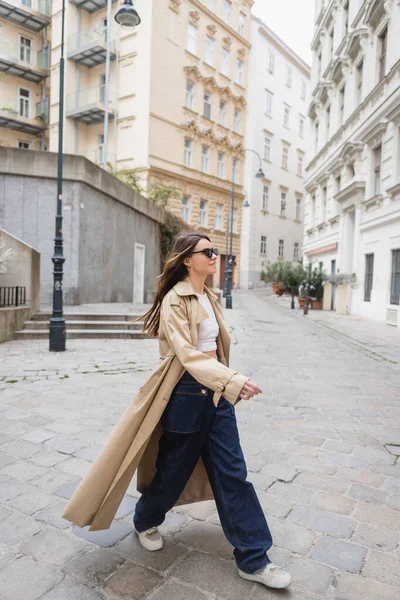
(327, 121)
(241, 23)
(395, 287)
(331, 39)
(341, 105)
(369, 276)
(102, 86)
(319, 64)
(285, 154)
(211, 5)
(301, 126)
(190, 94)
(221, 164)
(219, 216)
(236, 124)
(104, 23)
(203, 213)
(239, 72)
(267, 148)
(205, 154)
(235, 170)
(222, 113)
(300, 165)
(281, 248)
(207, 105)
(359, 76)
(100, 149)
(382, 54)
(338, 183)
(25, 49)
(192, 39)
(286, 117)
(24, 103)
(186, 208)
(225, 62)
(188, 152)
(312, 215)
(265, 197)
(24, 145)
(263, 245)
(283, 204)
(288, 76)
(323, 204)
(298, 209)
(316, 136)
(268, 103)
(209, 51)
(227, 11)
(271, 61)
(377, 156)
(296, 251)
(303, 92)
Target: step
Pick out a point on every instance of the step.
(86, 325)
(82, 334)
(88, 317)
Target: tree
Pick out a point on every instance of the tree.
(292, 277)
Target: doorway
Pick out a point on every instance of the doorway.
(222, 263)
(138, 274)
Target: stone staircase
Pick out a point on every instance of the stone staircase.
(85, 326)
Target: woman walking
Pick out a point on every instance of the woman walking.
(193, 450)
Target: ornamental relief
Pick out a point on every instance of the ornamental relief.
(194, 17)
(175, 5)
(193, 74)
(227, 42)
(208, 135)
(211, 31)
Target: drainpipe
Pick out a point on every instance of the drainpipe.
(107, 86)
(77, 86)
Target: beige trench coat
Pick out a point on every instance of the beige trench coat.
(133, 444)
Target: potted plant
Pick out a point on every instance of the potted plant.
(274, 275)
(313, 285)
(292, 276)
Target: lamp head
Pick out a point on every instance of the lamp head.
(127, 16)
(260, 174)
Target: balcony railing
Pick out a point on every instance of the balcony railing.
(91, 6)
(17, 114)
(21, 61)
(90, 47)
(32, 14)
(88, 105)
(12, 296)
(42, 111)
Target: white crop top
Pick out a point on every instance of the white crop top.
(209, 328)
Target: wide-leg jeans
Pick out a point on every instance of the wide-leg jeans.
(194, 427)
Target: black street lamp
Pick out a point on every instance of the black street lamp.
(127, 16)
(57, 332)
(229, 268)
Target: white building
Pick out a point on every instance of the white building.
(352, 212)
(277, 104)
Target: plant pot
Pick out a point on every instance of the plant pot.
(317, 304)
(301, 302)
(280, 291)
(275, 288)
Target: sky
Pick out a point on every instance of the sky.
(291, 20)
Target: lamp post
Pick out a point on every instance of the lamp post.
(57, 332)
(229, 270)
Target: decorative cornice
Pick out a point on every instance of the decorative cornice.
(208, 135)
(193, 73)
(375, 135)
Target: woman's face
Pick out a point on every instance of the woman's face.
(199, 263)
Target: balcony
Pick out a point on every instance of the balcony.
(32, 14)
(88, 105)
(15, 115)
(89, 48)
(90, 6)
(20, 61)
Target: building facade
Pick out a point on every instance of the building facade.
(24, 71)
(174, 99)
(277, 129)
(352, 220)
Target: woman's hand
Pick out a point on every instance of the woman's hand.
(249, 390)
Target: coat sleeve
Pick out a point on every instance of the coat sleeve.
(204, 368)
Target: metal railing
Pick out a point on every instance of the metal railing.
(41, 6)
(19, 109)
(78, 41)
(12, 296)
(19, 53)
(42, 110)
(89, 96)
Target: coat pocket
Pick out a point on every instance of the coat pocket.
(185, 408)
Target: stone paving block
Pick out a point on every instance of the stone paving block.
(363, 477)
(375, 537)
(66, 490)
(384, 567)
(355, 587)
(338, 446)
(94, 567)
(280, 472)
(52, 546)
(25, 579)
(176, 590)
(6, 554)
(37, 420)
(373, 454)
(205, 537)
(18, 527)
(213, 575)
(52, 479)
(392, 485)
(275, 506)
(132, 581)
(394, 501)
(11, 489)
(310, 575)
(37, 436)
(49, 458)
(377, 515)
(384, 469)
(339, 554)
(310, 440)
(6, 459)
(199, 510)
(260, 481)
(106, 537)
(127, 507)
(313, 465)
(254, 463)
(343, 460)
(70, 590)
(131, 549)
(291, 537)
(32, 502)
(75, 466)
(291, 491)
(23, 470)
(323, 521)
(4, 513)
(321, 482)
(367, 494)
(52, 515)
(64, 444)
(173, 523)
(334, 503)
(89, 453)
(395, 450)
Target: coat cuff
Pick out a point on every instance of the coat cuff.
(234, 387)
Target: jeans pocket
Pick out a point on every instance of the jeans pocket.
(184, 409)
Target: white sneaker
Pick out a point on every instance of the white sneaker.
(150, 539)
(271, 576)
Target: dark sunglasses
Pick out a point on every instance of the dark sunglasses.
(208, 252)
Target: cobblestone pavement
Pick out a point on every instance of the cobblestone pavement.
(321, 443)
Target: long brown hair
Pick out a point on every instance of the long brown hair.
(174, 271)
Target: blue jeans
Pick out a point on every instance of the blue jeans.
(194, 427)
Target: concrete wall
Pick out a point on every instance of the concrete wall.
(12, 320)
(103, 219)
